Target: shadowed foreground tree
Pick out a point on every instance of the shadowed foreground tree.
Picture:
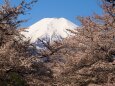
(17, 64)
(95, 42)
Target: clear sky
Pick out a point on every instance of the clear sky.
(69, 9)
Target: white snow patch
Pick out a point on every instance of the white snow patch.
(49, 27)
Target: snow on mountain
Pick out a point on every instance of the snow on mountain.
(50, 28)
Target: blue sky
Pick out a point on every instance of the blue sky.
(69, 9)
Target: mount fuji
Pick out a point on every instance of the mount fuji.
(51, 28)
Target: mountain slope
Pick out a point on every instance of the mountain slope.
(50, 28)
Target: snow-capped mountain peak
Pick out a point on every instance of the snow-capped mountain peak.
(49, 27)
